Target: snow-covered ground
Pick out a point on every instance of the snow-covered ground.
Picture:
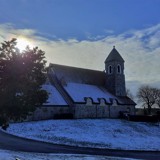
(11, 155)
(105, 133)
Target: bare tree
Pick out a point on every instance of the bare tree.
(158, 97)
(148, 96)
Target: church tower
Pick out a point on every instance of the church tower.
(114, 70)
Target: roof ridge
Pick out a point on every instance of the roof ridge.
(66, 66)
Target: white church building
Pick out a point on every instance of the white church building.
(85, 93)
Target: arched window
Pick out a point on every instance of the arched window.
(118, 69)
(110, 69)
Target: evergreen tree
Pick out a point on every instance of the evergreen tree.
(22, 75)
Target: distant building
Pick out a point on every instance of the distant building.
(87, 93)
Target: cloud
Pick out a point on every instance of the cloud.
(109, 31)
(139, 48)
(7, 32)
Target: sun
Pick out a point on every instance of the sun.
(22, 43)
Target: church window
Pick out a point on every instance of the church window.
(118, 69)
(110, 69)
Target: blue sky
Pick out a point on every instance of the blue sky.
(80, 19)
(81, 33)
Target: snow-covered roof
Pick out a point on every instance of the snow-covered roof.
(79, 91)
(55, 97)
(82, 83)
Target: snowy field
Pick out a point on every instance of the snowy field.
(10, 155)
(104, 133)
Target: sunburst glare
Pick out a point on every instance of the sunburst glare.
(22, 43)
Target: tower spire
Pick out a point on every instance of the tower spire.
(115, 78)
(114, 56)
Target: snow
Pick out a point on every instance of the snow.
(12, 155)
(55, 97)
(79, 91)
(102, 133)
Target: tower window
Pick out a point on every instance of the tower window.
(109, 69)
(118, 69)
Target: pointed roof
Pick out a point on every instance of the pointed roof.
(114, 56)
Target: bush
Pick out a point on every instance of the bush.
(2, 121)
(5, 126)
(142, 118)
(124, 114)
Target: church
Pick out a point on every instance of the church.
(85, 93)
